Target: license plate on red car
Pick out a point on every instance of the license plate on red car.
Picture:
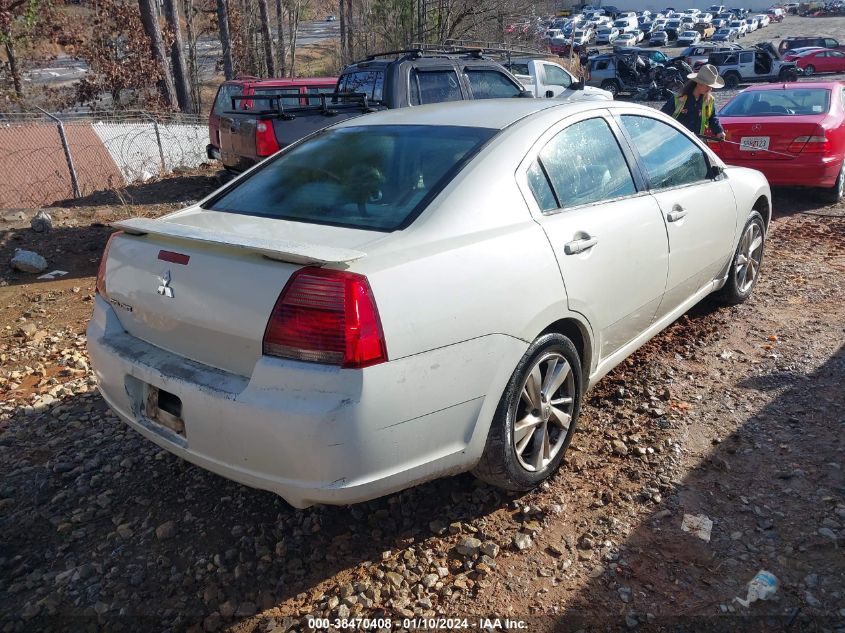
(753, 143)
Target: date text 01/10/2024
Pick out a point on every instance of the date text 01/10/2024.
(418, 624)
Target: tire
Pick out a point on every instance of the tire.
(788, 75)
(747, 259)
(835, 193)
(531, 428)
(809, 70)
(611, 86)
(731, 80)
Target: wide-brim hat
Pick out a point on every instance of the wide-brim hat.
(709, 76)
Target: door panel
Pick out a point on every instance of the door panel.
(609, 240)
(700, 213)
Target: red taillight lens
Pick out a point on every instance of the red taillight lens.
(811, 144)
(326, 316)
(265, 139)
(101, 273)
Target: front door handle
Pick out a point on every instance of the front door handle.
(579, 246)
(676, 213)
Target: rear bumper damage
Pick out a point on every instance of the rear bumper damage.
(310, 433)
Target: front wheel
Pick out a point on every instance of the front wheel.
(536, 416)
(809, 69)
(612, 87)
(746, 262)
(731, 80)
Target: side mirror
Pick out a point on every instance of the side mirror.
(714, 171)
(577, 85)
(526, 94)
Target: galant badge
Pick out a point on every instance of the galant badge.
(165, 289)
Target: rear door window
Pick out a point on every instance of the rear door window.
(491, 84)
(585, 165)
(434, 86)
(368, 82)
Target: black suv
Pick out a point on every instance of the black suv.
(419, 77)
(788, 43)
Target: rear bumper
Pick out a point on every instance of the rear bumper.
(308, 432)
(803, 171)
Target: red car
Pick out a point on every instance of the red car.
(794, 133)
(248, 87)
(822, 60)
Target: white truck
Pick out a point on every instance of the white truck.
(547, 79)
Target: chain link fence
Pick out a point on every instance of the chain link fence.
(45, 158)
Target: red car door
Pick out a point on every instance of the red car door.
(837, 61)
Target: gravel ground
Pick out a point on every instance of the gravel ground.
(732, 413)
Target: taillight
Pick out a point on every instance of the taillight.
(265, 139)
(326, 316)
(811, 144)
(101, 272)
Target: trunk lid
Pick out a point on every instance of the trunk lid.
(781, 132)
(202, 284)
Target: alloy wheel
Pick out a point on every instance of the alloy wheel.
(748, 259)
(543, 412)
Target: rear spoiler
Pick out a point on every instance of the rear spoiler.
(282, 250)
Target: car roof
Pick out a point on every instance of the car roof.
(496, 114)
(832, 85)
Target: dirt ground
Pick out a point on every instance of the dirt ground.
(734, 413)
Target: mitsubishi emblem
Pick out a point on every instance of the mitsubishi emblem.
(165, 289)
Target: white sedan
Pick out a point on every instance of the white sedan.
(688, 38)
(417, 292)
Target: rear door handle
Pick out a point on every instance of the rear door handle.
(579, 246)
(676, 213)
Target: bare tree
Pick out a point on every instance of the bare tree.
(268, 39)
(280, 29)
(177, 56)
(152, 28)
(193, 69)
(17, 17)
(341, 10)
(294, 12)
(225, 39)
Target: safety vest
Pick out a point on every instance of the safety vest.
(707, 110)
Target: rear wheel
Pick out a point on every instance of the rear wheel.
(746, 263)
(536, 417)
(809, 69)
(835, 193)
(612, 87)
(731, 80)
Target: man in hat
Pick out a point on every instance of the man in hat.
(694, 106)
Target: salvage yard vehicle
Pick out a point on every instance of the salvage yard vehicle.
(293, 91)
(820, 60)
(546, 79)
(339, 323)
(793, 133)
(761, 63)
(392, 80)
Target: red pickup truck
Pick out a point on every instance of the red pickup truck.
(249, 87)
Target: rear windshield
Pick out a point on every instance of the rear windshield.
(368, 177)
(789, 102)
